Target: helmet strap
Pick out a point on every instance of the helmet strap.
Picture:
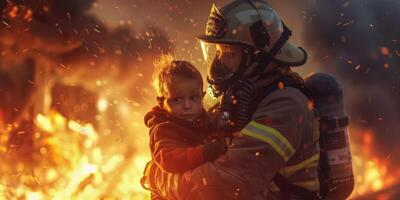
(266, 57)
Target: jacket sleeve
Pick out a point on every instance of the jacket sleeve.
(171, 154)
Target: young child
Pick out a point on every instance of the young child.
(179, 126)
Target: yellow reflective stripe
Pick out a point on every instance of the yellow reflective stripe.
(271, 136)
(274, 132)
(309, 185)
(309, 163)
(268, 140)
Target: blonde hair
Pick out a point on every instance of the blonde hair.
(166, 68)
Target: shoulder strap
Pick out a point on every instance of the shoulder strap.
(287, 81)
(287, 189)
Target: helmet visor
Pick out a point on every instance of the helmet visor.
(222, 61)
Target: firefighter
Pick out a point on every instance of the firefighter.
(274, 153)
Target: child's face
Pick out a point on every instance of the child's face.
(184, 98)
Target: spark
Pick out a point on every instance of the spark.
(386, 65)
(14, 11)
(97, 30)
(63, 66)
(397, 52)
(281, 85)
(102, 104)
(5, 23)
(385, 51)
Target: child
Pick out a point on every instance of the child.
(179, 125)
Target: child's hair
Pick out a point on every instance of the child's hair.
(166, 68)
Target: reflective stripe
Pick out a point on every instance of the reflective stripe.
(309, 163)
(275, 133)
(271, 136)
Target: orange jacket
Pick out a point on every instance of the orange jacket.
(176, 145)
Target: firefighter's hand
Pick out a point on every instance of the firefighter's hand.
(213, 150)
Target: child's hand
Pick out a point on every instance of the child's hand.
(213, 150)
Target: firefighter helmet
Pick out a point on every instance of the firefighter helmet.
(251, 23)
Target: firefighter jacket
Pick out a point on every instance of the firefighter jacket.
(176, 145)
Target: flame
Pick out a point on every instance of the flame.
(84, 169)
(13, 12)
(19, 11)
(372, 173)
(71, 159)
(77, 166)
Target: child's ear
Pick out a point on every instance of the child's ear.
(160, 101)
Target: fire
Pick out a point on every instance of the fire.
(13, 12)
(371, 176)
(371, 173)
(59, 155)
(20, 12)
(79, 167)
(75, 166)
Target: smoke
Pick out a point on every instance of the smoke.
(63, 38)
(359, 42)
(65, 32)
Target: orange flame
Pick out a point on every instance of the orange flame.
(13, 12)
(81, 169)
(371, 172)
